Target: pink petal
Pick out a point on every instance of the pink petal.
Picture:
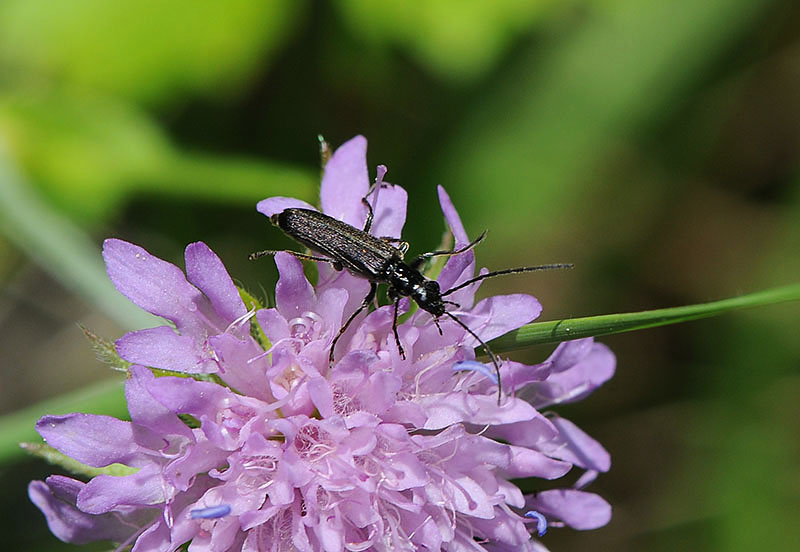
(205, 270)
(273, 323)
(145, 410)
(95, 440)
(526, 462)
(452, 218)
(525, 434)
(498, 315)
(569, 353)
(107, 492)
(274, 205)
(161, 347)
(244, 376)
(579, 380)
(56, 499)
(321, 395)
(517, 375)
(468, 497)
(330, 306)
(381, 393)
(355, 287)
(293, 294)
(451, 408)
(410, 472)
(513, 534)
(578, 509)
(458, 268)
(156, 286)
(576, 446)
(196, 459)
(188, 396)
(156, 537)
(390, 212)
(346, 182)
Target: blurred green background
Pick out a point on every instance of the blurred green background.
(653, 144)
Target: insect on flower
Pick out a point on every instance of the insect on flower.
(375, 453)
(380, 261)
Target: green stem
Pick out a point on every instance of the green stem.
(555, 331)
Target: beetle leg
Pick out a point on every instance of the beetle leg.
(373, 287)
(436, 323)
(376, 185)
(402, 246)
(394, 329)
(370, 213)
(302, 256)
(418, 262)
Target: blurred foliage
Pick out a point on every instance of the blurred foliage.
(92, 153)
(457, 39)
(551, 119)
(147, 51)
(653, 144)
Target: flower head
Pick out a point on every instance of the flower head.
(379, 451)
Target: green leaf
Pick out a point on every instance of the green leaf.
(557, 331)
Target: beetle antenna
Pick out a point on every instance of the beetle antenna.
(259, 254)
(488, 352)
(507, 271)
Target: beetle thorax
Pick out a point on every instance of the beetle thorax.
(429, 297)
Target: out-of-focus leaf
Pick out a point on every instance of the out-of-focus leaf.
(526, 148)
(60, 247)
(90, 153)
(83, 151)
(458, 39)
(784, 261)
(146, 50)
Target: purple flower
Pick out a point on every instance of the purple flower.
(377, 452)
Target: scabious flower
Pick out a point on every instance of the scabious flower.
(281, 451)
